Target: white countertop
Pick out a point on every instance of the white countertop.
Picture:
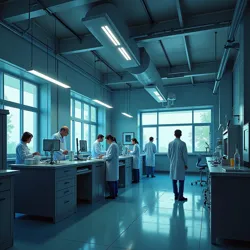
(4, 173)
(226, 170)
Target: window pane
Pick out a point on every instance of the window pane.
(202, 136)
(93, 134)
(78, 130)
(13, 129)
(149, 118)
(71, 108)
(30, 125)
(148, 132)
(86, 112)
(86, 135)
(177, 117)
(29, 94)
(11, 89)
(78, 110)
(202, 116)
(71, 136)
(166, 135)
(93, 114)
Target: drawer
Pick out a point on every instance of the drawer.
(65, 192)
(65, 204)
(66, 183)
(4, 184)
(66, 172)
(4, 195)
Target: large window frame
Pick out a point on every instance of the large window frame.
(193, 124)
(83, 121)
(21, 107)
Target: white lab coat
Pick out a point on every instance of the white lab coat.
(22, 152)
(177, 154)
(112, 162)
(96, 149)
(58, 155)
(150, 150)
(136, 156)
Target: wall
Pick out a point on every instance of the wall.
(19, 56)
(187, 96)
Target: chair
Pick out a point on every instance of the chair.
(201, 167)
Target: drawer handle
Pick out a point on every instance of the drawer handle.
(65, 192)
(65, 202)
(2, 199)
(65, 183)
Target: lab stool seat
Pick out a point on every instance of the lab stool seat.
(201, 168)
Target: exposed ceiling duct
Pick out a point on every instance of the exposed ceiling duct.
(108, 26)
(237, 17)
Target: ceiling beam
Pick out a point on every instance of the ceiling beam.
(156, 32)
(200, 69)
(19, 10)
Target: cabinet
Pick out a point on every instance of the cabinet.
(99, 185)
(3, 136)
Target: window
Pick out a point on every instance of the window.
(21, 99)
(195, 125)
(83, 123)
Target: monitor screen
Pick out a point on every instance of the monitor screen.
(225, 146)
(51, 145)
(83, 146)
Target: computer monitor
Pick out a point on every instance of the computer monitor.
(83, 146)
(51, 145)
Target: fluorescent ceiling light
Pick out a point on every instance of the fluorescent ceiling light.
(103, 104)
(155, 93)
(158, 95)
(34, 72)
(130, 116)
(110, 34)
(124, 53)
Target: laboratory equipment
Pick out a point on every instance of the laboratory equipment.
(246, 153)
(83, 146)
(236, 159)
(51, 145)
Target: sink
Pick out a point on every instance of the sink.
(241, 170)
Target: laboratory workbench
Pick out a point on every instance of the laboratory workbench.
(53, 190)
(229, 202)
(6, 207)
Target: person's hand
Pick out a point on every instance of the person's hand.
(100, 156)
(186, 167)
(65, 152)
(36, 153)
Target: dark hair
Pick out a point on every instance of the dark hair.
(178, 133)
(151, 138)
(110, 137)
(135, 140)
(115, 140)
(64, 128)
(26, 136)
(100, 136)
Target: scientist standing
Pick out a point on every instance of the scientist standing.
(136, 160)
(61, 135)
(150, 150)
(177, 153)
(112, 167)
(22, 150)
(97, 148)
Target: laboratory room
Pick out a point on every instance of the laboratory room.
(124, 125)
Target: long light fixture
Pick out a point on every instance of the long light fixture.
(124, 53)
(110, 35)
(45, 77)
(155, 93)
(130, 116)
(158, 95)
(103, 104)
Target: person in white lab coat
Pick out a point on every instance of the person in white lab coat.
(136, 160)
(112, 167)
(96, 148)
(61, 135)
(22, 150)
(177, 153)
(150, 150)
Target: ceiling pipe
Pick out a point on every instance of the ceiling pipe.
(237, 17)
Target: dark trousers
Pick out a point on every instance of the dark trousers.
(136, 175)
(150, 170)
(179, 193)
(113, 188)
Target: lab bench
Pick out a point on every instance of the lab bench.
(6, 207)
(228, 194)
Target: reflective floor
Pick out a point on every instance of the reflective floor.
(145, 216)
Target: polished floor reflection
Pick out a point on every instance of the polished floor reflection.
(145, 216)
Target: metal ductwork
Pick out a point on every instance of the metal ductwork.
(237, 17)
(139, 63)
